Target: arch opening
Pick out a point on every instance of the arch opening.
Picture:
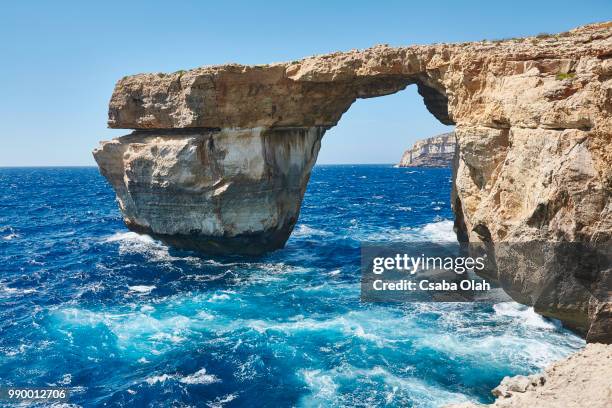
(355, 167)
(378, 129)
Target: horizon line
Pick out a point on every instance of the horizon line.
(41, 166)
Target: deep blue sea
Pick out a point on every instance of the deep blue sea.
(123, 320)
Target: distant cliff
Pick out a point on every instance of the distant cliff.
(437, 151)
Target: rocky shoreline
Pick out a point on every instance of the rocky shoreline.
(578, 381)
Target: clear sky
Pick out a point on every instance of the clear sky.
(60, 59)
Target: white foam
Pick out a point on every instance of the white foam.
(249, 369)
(200, 377)
(129, 236)
(66, 379)
(219, 297)
(143, 289)
(524, 314)
(165, 337)
(78, 389)
(304, 230)
(153, 250)
(11, 352)
(220, 401)
(158, 379)
(11, 233)
(202, 315)
(10, 292)
(322, 384)
(516, 342)
(324, 387)
(441, 231)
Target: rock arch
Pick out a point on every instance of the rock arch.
(221, 155)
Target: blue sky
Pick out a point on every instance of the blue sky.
(60, 60)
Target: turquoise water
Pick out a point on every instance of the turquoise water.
(123, 320)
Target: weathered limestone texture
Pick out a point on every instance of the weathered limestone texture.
(227, 150)
(581, 380)
(228, 191)
(437, 151)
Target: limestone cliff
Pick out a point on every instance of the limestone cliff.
(437, 151)
(222, 155)
(581, 380)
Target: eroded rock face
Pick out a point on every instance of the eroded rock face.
(228, 191)
(437, 151)
(534, 152)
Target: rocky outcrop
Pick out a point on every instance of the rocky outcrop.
(437, 151)
(219, 191)
(221, 155)
(581, 380)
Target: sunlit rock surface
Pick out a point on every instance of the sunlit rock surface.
(581, 380)
(437, 151)
(229, 191)
(534, 149)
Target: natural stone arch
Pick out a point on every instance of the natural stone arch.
(222, 155)
(232, 133)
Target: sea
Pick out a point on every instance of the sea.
(122, 320)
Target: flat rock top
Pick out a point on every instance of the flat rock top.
(315, 91)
